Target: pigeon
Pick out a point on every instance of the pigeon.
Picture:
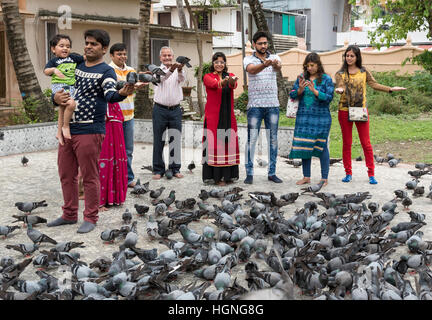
(359, 158)
(418, 173)
(189, 235)
(184, 60)
(160, 209)
(1, 135)
(81, 271)
(155, 69)
(149, 168)
(171, 198)
(26, 219)
(204, 195)
(191, 166)
(169, 174)
(102, 263)
(390, 156)
(109, 235)
(25, 248)
(127, 216)
(6, 230)
(131, 237)
(290, 197)
(141, 209)
(379, 159)
(335, 160)
(295, 163)
(156, 193)
(29, 286)
(38, 237)
(152, 227)
(411, 185)
(422, 166)
(28, 207)
(400, 194)
(139, 188)
(67, 246)
(314, 188)
(394, 162)
(189, 203)
(373, 207)
(419, 191)
(406, 202)
(24, 161)
(262, 163)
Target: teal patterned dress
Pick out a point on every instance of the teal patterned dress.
(313, 120)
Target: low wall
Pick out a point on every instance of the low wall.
(41, 137)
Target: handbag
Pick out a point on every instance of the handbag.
(357, 114)
(292, 107)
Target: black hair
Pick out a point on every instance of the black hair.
(101, 36)
(117, 47)
(315, 58)
(356, 50)
(260, 34)
(215, 57)
(55, 40)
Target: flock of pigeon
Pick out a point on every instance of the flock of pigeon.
(335, 247)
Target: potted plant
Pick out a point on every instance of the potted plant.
(187, 90)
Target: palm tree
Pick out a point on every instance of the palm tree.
(143, 105)
(36, 105)
(261, 23)
(200, 59)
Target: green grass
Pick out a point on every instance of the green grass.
(383, 128)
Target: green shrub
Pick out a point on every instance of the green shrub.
(241, 102)
(206, 69)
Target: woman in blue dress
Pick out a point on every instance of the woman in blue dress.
(314, 91)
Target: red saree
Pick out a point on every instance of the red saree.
(113, 159)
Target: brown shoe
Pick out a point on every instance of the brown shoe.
(303, 181)
(178, 175)
(156, 177)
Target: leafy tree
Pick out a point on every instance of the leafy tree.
(397, 18)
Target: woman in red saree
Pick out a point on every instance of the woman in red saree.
(113, 160)
(220, 141)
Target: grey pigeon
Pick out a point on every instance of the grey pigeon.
(67, 246)
(141, 209)
(127, 216)
(394, 162)
(24, 161)
(38, 237)
(411, 185)
(109, 235)
(156, 193)
(314, 188)
(139, 188)
(28, 207)
(102, 263)
(169, 174)
(184, 60)
(81, 271)
(294, 163)
(30, 286)
(262, 163)
(25, 248)
(26, 219)
(419, 191)
(155, 69)
(132, 236)
(191, 166)
(189, 235)
(152, 227)
(6, 230)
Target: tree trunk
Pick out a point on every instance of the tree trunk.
(143, 105)
(36, 105)
(181, 14)
(200, 58)
(261, 23)
(346, 19)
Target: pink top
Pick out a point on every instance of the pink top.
(169, 92)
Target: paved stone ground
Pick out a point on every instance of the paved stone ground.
(39, 181)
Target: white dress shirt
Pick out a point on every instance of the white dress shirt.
(169, 92)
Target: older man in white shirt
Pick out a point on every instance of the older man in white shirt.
(167, 115)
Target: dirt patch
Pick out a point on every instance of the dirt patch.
(409, 151)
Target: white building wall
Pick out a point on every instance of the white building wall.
(323, 13)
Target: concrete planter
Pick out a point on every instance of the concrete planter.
(41, 136)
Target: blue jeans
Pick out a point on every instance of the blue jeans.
(325, 165)
(128, 132)
(271, 122)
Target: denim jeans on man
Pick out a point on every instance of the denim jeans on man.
(169, 120)
(128, 132)
(271, 120)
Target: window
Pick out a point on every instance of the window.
(164, 19)
(156, 45)
(335, 22)
(50, 31)
(238, 29)
(204, 20)
(126, 39)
